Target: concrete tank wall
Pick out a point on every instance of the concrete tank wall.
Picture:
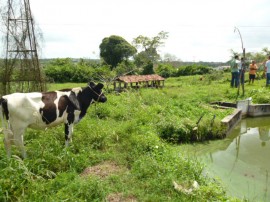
(255, 110)
(231, 120)
(244, 108)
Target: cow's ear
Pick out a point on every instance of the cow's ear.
(99, 86)
(91, 84)
(74, 101)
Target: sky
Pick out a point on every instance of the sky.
(198, 30)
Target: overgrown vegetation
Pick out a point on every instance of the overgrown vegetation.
(65, 70)
(140, 132)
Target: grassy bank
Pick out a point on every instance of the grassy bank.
(128, 148)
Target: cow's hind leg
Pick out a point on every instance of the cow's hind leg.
(8, 140)
(6, 130)
(18, 140)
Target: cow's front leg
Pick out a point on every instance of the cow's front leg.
(68, 133)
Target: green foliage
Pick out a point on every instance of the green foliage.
(149, 54)
(259, 57)
(141, 59)
(126, 67)
(165, 70)
(193, 70)
(65, 70)
(260, 95)
(115, 49)
(148, 69)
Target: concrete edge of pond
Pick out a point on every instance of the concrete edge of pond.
(255, 110)
(231, 120)
(243, 108)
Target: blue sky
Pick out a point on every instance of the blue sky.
(199, 30)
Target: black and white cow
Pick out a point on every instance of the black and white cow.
(36, 110)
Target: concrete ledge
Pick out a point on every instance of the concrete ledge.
(255, 110)
(231, 120)
(244, 108)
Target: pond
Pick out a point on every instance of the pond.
(242, 160)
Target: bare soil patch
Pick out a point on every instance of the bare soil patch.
(119, 197)
(103, 169)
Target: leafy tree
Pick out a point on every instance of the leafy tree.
(257, 56)
(115, 49)
(149, 54)
(148, 69)
(266, 51)
(141, 59)
(126, 67)
(169, 57)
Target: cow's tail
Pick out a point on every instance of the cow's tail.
(2, 115)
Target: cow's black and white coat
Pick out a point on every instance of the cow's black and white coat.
(37, 110)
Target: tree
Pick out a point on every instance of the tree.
(266, 51)
(149, 47)
(169, 58)
(259, 57)
(115, 49)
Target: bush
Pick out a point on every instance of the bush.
(165, 70)
(193, 70)
(64, 70)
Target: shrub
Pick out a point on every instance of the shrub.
(165, 70)
(193, 70)
(64, 70)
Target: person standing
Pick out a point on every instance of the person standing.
(235, 71)
(242, 70)
(252, 71)
(267, 70)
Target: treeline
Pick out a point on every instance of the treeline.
(70, 70)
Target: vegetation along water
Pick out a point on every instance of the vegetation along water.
(134, 147)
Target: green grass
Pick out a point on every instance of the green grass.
(139, 131)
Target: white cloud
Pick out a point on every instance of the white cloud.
(198, 30)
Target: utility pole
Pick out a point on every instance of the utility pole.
(241, 74)
(22, 71)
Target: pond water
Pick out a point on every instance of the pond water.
(242, 160)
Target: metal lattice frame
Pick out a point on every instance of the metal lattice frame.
(22, 71)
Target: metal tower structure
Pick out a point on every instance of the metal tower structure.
(22, 71)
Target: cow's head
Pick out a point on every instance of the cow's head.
(96, 92)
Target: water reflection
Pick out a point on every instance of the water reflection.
(264, 133)
(241, 161)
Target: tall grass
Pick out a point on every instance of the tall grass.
(141, 132)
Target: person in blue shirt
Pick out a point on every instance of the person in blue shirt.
(267, 70)
(235, 71)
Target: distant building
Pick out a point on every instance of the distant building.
(137, 81)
